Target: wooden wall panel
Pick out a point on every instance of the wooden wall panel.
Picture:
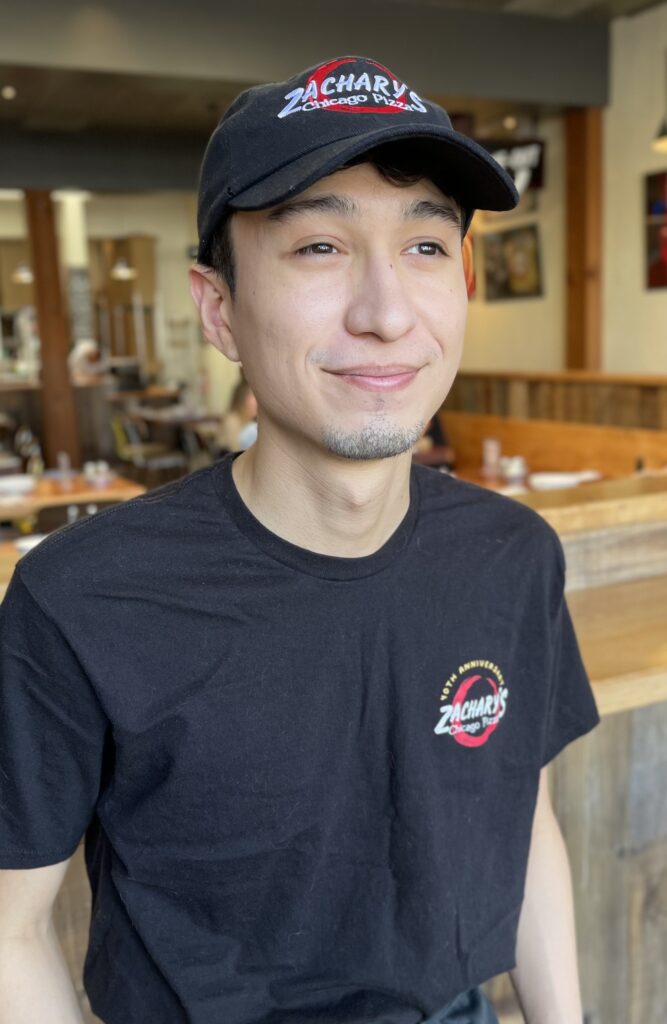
(583, 174)
(577, 397)
(598, 558)
(619, 867)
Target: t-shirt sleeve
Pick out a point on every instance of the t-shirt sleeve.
(571, 709)
(52, 733)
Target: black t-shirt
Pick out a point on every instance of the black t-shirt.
(307, 782)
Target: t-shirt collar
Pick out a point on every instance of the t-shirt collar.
(301, 559)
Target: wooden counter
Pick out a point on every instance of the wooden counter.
(603, 504)
(622, 632)
(608, 788)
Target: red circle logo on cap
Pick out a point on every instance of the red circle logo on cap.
(353, 86)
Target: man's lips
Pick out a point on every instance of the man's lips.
(378, 378)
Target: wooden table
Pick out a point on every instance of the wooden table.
(622, 501)
(153, 393)
(75, 490)
(173, 416)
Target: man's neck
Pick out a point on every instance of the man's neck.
(323, 503)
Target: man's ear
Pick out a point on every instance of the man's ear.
(212, 299)
(469, 265)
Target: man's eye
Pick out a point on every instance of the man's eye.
(318, 248)
(428, 249)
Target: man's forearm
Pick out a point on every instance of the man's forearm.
(546, 977)
(34, 981)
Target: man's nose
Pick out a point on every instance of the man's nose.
(380, 303)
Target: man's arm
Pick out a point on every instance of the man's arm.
(34, 981)
(546, 978)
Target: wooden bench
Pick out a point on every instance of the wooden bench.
(551, 445)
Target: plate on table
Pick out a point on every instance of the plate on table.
(558, 481)
(9, 463)
(17, 483)
(100, 479)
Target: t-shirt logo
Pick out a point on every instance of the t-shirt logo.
(473, 701)
(353, 86)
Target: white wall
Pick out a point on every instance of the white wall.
(171, 218)
(635, 319)
(12, 219)
(526, 334)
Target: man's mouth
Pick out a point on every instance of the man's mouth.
(377, 377)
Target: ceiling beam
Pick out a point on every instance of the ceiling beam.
(439, 51)
(550, 8)
(103, 161)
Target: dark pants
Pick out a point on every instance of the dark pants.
(470, 1007)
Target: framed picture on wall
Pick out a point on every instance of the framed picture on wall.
(512, 267)
(656, 230)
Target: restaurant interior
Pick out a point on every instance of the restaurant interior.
(108, 389)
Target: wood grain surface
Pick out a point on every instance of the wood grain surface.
(50, 492)
(550, 445)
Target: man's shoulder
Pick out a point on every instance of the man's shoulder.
(135, 535)
(472, 511)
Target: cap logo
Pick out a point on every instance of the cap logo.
(368, 88)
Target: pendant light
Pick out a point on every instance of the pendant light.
(122, 271)
(22, 274)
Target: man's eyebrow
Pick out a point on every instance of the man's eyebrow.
(426, 208)
(317, 204)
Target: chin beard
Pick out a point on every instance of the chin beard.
(379, 441)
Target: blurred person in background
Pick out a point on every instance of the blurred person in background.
(85, 358)
(238, 427)
(301, 703)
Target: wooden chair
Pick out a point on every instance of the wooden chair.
(151, 460)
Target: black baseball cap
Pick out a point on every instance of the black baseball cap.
(276, 140)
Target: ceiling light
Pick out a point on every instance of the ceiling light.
(122, 271)
(22, 274)
(8, 92)
(659, 143)
(509, 123)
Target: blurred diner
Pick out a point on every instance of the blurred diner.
(238, 426)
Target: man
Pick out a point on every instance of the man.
(301, 701)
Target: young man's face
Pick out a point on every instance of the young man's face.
(349, 312)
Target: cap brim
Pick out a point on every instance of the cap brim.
(465, 170)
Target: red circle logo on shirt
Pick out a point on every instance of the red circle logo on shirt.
(473, 702)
